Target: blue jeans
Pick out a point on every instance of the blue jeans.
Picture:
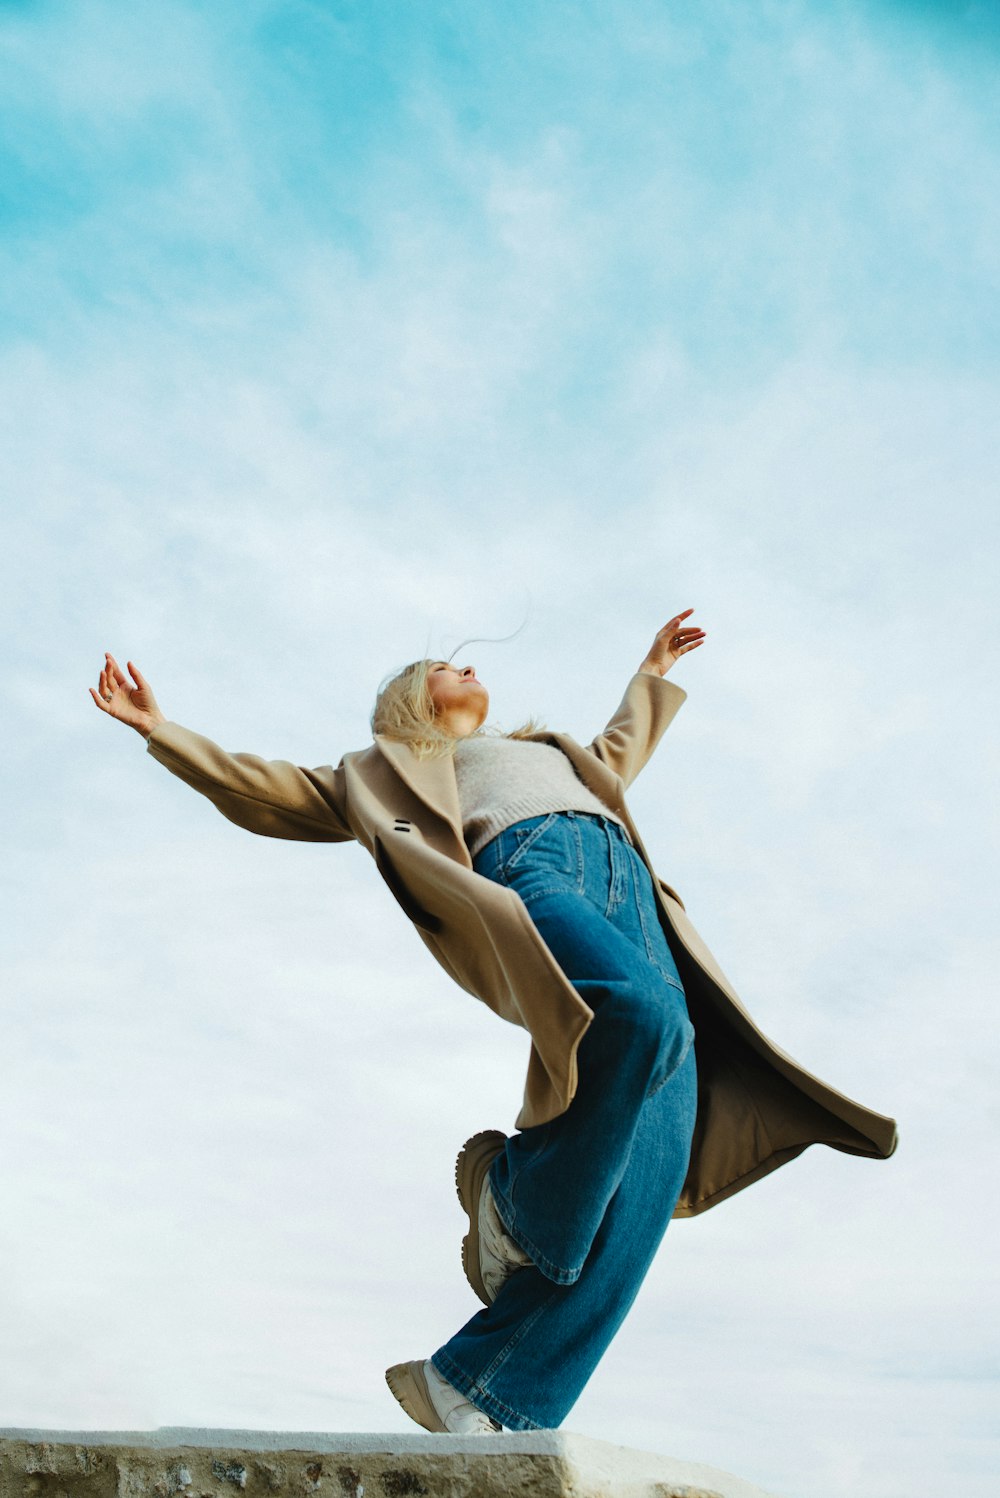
(589, 1194)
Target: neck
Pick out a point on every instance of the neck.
(458, 724)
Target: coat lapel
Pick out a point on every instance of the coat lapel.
(431, 780)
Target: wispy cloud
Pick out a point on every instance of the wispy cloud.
(329, 339)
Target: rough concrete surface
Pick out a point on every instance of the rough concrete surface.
(194, 1463)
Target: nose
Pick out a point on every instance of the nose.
(468, 670)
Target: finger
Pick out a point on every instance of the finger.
(98, 699)
(119, 674)
(137, 675)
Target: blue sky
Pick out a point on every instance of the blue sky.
(333, 333)
(743, 175)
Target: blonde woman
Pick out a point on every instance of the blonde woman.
(519, 863)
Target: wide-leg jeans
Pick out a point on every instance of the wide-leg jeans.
(588, 1195)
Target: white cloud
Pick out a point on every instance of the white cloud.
(270, 495)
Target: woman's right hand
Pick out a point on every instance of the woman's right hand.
(116, 696)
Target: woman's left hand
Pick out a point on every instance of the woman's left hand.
(672, 641)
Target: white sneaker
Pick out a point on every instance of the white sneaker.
(489, 1254)
(499, 1255)
(436, 1404)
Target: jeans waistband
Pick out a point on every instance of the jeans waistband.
(597, 818)
(602, 820)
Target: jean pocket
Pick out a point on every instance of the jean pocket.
(549, 846)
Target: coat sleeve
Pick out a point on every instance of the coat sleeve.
(268, 796)
(644, 714)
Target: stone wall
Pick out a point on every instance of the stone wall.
(181, 1463)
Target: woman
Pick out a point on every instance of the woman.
(518, 861)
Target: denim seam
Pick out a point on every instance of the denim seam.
(650, 952)
(534, 1154)
(551, 1271)
(488, 1403)
(674, 1069)
(617, 883)
(527, 844)
(518, 1335)
(578, 842)
(479, 1385)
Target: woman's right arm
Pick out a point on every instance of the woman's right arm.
(273, 798)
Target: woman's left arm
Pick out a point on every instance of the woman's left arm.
(647, 709)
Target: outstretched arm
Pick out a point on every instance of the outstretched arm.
(649, 704)
(271, 797)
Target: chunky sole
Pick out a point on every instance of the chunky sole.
(474, 1160)
(409, 1386)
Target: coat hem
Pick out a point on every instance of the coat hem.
(773, 1162)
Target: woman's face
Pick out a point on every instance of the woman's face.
(461, 702)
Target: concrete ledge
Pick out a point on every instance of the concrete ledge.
(304, 1464)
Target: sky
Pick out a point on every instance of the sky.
(333, 335)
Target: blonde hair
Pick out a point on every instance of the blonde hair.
(404, 711)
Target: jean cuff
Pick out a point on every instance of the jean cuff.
(557, 1273)
(482, 1398)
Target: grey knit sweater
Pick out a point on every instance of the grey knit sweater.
(501, 781)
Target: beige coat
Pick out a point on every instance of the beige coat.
(756, 1108)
